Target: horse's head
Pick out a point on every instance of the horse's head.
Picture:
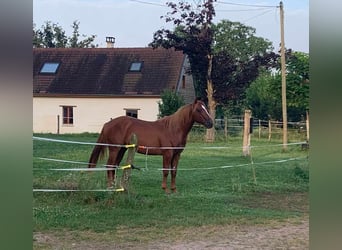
(201, 115)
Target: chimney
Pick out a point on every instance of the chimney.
(110, 40)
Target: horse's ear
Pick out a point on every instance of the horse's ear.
(197, 99)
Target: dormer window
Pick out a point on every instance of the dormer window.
(49, 68)
(135, 66)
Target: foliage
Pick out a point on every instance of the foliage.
(297, 81)
(239, 40)
(238, 57)
(170, 103)
(264, 95)
(237, 53)
(193, 35)
(261, 100)
(52, 35)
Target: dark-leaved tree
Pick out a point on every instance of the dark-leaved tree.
(193, 35)
(225, 58)
(239, 55)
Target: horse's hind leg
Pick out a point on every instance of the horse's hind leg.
(113, 152)
(120, 155)
(115, 157)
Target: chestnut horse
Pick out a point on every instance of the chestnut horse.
(166, 136)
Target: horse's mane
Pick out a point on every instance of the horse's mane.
(179, 118)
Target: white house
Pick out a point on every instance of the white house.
(78, 90)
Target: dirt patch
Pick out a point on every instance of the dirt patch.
(290, 234)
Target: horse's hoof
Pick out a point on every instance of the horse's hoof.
(174, 190)
(166, 190)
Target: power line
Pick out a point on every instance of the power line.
(254, 6)
(241, 10)
(248, 5)
(261, 7)
(265, 12)
(145, 2)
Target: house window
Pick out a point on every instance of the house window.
(49, 68)
(135, 66)
(132, 112)
(68, 115)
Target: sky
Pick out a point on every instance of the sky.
(133, 22)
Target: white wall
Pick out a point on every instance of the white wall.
(89, 113)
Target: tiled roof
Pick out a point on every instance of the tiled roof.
(105, 71)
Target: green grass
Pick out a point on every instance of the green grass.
(205, 196)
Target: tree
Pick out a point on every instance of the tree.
(52, 35)
(170, 103)
(261, 100)
(264, 95)
(194, 36)
(239, 55)
(74, 40)
(297, 84)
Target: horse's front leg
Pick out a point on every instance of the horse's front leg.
(174, 164)
(167, 156)
(164, 183)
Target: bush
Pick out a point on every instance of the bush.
(170, 103)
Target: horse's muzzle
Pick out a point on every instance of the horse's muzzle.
(208, 123)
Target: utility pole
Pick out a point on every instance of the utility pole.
(283, 76)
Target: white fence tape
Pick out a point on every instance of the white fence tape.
(79, 142)
(109, 167)
(79, 190)
(153, 147)
(239, 165)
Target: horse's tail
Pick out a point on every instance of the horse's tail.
(98, 151)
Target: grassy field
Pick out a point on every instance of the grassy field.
(219, 192)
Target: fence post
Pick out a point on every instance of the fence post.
(307, 126)
(269, 129)
(130, 156)
(226, 127)
(57, 124)
(259, 129)
(247, 133)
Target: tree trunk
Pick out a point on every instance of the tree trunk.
(210, 134)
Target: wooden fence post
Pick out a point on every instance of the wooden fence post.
(246, 133)
(226, 127)
(307, 126)
(130, 156)
(269, 129)
(57, 124)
